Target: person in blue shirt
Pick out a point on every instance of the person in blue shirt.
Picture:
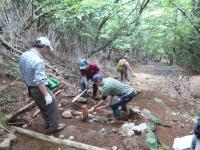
(32, 73)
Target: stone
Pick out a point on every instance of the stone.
(103, 131)
(130, 133)
(59, 104)
(91, 121)
(137, 129)
(67, 114)
(25, 126)
(71, 138)
(143, 127)
(114, 147)
(78, 117)
(131, 144)
(114, 130)
(61, 136)
(125, 128)
(146, 111)
(10, 137)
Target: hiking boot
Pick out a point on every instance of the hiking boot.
(60, 127)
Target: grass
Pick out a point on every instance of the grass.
(196, 111)
(11, 69)
(7, 97)
(2, 118)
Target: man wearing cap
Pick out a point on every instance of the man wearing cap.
(112, 88)
(32, 73)
(88, 70)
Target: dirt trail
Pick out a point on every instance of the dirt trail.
(170, 84)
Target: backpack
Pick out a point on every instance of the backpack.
(197, 129)
(121, 65)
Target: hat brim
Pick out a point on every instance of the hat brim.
(83, 67)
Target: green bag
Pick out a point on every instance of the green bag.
(52, 83)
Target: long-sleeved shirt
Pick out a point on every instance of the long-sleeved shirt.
(91, 71)
(32, 68)
(114, 87)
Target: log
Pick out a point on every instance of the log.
(55, 140)
(26, 107)
(91, 116)
(4, 128)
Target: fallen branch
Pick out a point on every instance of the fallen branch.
(100, 118)
(26, 107)
(55, 140)
(4, 128)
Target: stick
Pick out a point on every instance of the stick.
(55, 140)
(91, 116)
(28, 106)
(2, 127)
(77, 97)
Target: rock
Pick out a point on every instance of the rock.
(61, 136)
(114, 147)
(125, 128)
(137, 130)
(59, 104)
(10, 137)
(91, 121)
(61, 109)
(174, 114)
(143, 127)
(130, 133)
(114, 130)
(67, 114)
(94, 113)
(182, 125)
(71, 138)
(103, 131)
(146, 111)
(131, 144)
(25, 126)
(78, 117)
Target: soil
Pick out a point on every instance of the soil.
(176, 88)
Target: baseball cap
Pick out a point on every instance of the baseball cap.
(46, 42)
(83, 64)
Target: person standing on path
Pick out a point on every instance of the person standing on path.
(123, 67)
(32, 73)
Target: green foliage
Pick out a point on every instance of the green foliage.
(195, 111)
(2, 118)
(8, 97)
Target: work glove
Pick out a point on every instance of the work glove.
(48, 99)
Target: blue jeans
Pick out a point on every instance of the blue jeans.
(121, 103)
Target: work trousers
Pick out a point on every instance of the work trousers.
(49, 112)
(121, 103)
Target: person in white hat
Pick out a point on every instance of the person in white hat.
(32, 73)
